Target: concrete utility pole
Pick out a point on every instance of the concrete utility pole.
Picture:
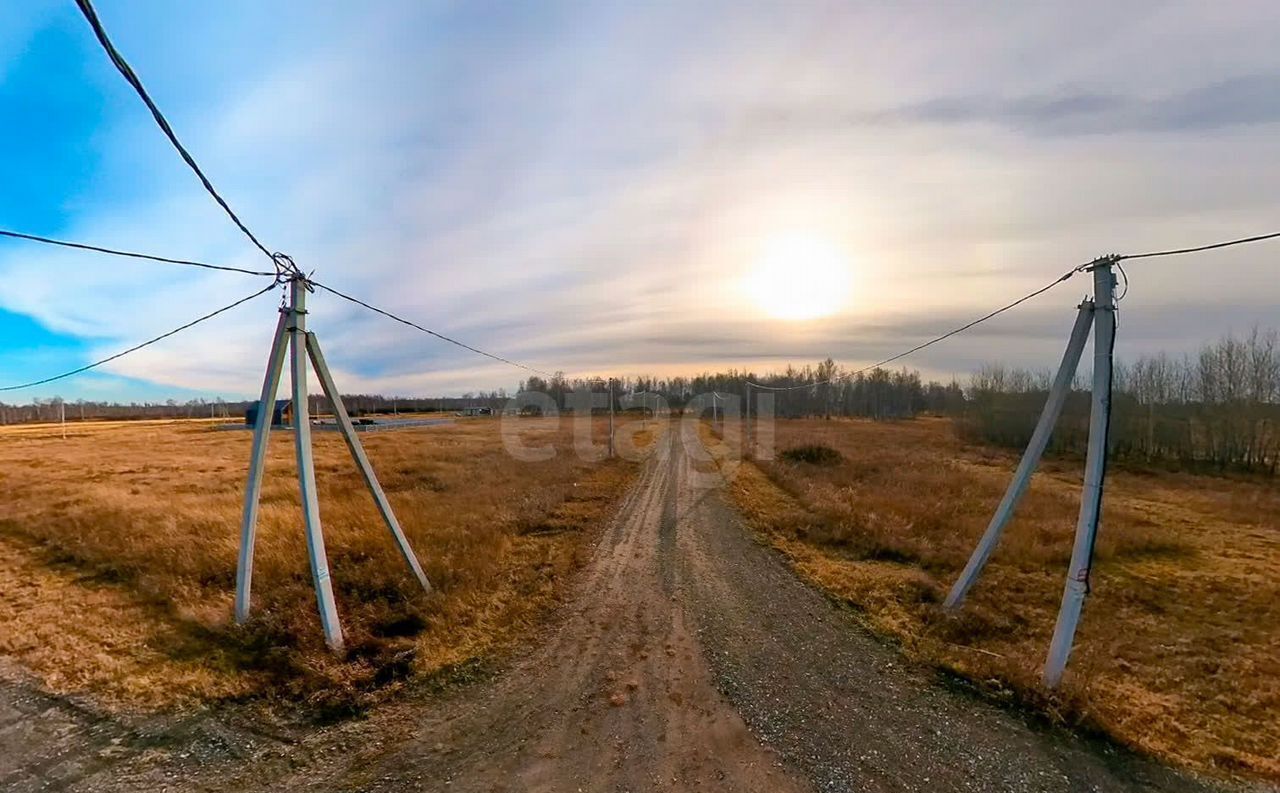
(610, 385)
(1030, 458)
(291, 335)
(362, 460)
(644, 408)
(1101, 314)
(1095, 471)
(296, 328)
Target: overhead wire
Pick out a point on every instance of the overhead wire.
(130, 254)
(288, 266)
(1113, 259)
(284, 265)
(1200, 248)
(1007, 307)
(137, 347)
(277, 275)
(436, 334)
(86, 8)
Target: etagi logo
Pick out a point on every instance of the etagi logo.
(713, 429)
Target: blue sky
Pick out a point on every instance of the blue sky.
(586, 186)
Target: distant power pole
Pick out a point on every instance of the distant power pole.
(610, 384)
(62, 408)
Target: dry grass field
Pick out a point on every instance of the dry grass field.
(1178, 654)
(118, 552)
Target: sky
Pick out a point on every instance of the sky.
(593, 187)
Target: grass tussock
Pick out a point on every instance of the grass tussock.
(1178, 653)
(813, 454)
(118, 554)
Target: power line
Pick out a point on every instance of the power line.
(285, 264)
(969, 325)
(86, 8)
(932, 341)
(1199, 248)
(440, 336)
(1114, 259)
(137, 347)
(130, 254)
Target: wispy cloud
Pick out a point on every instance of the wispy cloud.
(583, 187)
(1240, 101)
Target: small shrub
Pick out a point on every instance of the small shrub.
(814, 454)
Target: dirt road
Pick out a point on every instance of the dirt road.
(689, 659)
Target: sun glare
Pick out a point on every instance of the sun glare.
(800, 276)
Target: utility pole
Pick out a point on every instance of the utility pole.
(1030, 458)
(1100, 313)
(292, 336)
(62, 407)
(610, 386)
(1095, 471)
(296, 329)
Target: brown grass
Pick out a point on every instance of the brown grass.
(1178, 653)
(118, 553)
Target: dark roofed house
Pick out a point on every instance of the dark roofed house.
(281, 414)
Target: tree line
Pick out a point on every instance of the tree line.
(825, 389)
(56, 408)
(1219, 407)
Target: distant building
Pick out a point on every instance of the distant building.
(281, 414)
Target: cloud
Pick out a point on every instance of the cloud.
(1240, 101)
(581, 189)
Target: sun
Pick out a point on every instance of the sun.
(799, 276)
